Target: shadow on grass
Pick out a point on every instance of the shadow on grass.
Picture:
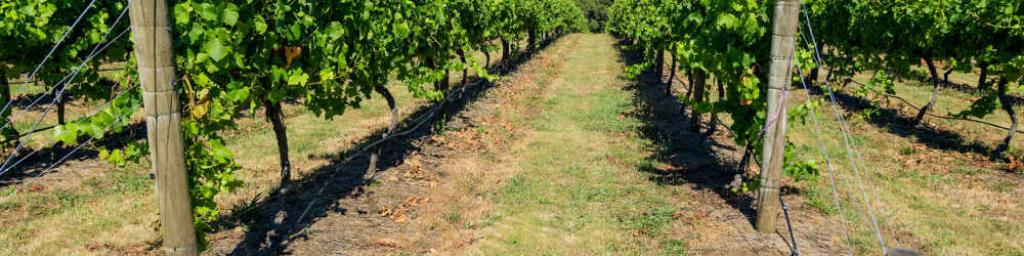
(34, 161)
(893, 122)
(693, 158)
(924, 80)
(40, 160)
(318, 194)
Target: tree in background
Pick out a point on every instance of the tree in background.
(596, 12)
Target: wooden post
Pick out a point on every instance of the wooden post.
(152, 31)
(783, 42)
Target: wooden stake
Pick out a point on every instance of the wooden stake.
(783, 44)
(152, 32)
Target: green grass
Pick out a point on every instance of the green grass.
(673, 248)
(942, 201)
(577, 192)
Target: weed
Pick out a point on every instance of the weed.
(799, 170)
(69, 199)
(651, 222)
(673, 247)
(819, 199)
(967, 171)
(907, 150)
(373, 182)
(453, 216)
(517, 191)
(1004, 186)
(6, 206)
(129, 182)
(486, 222)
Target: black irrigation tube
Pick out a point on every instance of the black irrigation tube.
(911, 105)
(16, 138)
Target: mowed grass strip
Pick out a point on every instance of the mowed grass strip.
(578, 192)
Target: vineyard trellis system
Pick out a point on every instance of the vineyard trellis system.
(331, 56)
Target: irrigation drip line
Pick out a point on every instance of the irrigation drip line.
(911, 105)
(852, 153)
(422, 120)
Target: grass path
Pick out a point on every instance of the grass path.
(577, 191)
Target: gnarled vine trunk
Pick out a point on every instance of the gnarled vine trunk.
(375, 156)
(487, 60)
(465, 67)
(7, 133)
(983, 77)
(713, 125)
(5, 91)
(699, 83)
(936, 86)
(689, 90)
(659, 64)
(1007, 104)
(671, 76)
(275, 114)
(531, 41)
(5, 87)
(945, 76)
(506, 54)
(813, 76)
(465, 72)
(61, 112)
(689, 79)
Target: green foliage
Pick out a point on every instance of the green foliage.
(132, 153)
(981, 107)
(329, 54)
(799, 170)
(596, 12)
(110, 119)
(804, 111)
(737, 29)
(876, 91)
(633, 71)
(897, 35)
(880, 83)
(32, 28)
